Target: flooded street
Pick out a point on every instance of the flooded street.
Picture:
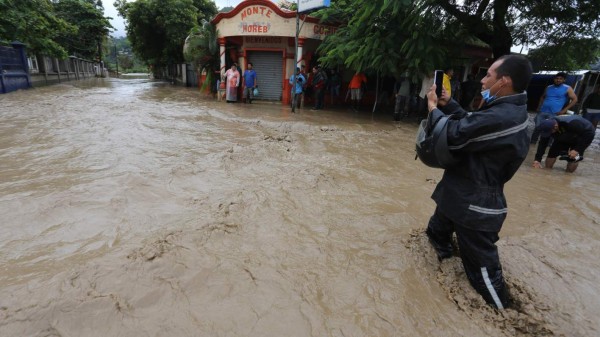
(137, 208)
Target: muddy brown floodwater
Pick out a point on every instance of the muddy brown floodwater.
(136, 208)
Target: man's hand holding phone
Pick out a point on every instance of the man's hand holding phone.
(437, 94)
(432, 99)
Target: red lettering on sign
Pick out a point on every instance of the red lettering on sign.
(254, 29)
(258, 10)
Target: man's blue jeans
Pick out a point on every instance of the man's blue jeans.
(541, 116)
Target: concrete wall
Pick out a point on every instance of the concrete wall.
(51, 70)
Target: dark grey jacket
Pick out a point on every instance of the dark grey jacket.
(491, 145)
(573, 130)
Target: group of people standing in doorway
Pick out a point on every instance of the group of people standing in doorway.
(232, 80)
(314, 85)
(319, 82)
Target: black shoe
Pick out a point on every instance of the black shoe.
(569, 159)
(442, 251)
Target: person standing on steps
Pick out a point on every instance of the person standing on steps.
(358, 81)
(232, 78)
(402, 92)
(250, 82)
(297, 91)
(319, 84)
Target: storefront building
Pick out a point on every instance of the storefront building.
(259, 32)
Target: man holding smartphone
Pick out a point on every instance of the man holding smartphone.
(489, 145)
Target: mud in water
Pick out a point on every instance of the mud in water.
(137, 208)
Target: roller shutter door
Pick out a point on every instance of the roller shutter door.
(269, 70)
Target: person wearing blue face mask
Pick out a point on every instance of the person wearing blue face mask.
(488, 146)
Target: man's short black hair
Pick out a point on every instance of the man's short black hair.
(250, 64)
(518, 68)
(561, 74)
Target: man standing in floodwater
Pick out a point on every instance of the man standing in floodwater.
(250, 84)
(489, 146)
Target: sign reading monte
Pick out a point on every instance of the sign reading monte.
(306, 5)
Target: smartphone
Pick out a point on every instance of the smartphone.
(438, 79)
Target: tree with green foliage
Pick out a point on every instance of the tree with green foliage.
(570, 55)
(126, 62)
(117, 50)
(157, 28)
(504, 23)
(381, 36)
(92, 27)
(34, 23)
(202, 50)
(412, 35)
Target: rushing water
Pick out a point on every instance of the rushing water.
(137, 208)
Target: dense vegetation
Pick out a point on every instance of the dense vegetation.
(392, 36)
(402, 35)
(56, 28)
(157, 29)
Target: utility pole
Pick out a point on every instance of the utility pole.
(296, 74)
(117, 59)
(311, 6)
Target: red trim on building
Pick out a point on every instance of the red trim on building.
(247, 3)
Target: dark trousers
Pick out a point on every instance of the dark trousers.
(539, 118)
(298, 99)
(400, 104)
(319, 98)
(479, 256)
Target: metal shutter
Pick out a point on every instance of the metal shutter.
(269, 71)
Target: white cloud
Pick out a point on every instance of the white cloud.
(117, 22)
